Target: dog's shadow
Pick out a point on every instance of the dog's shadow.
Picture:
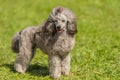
(36, 70)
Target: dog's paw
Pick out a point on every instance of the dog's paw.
(55, 76)
(65, 73)
(19, 68)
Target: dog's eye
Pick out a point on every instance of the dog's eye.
(55, 21)
(50, 21)
(63, 20)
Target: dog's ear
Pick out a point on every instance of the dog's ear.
(49, 27)
(72, 27)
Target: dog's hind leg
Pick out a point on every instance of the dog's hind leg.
(26, 52)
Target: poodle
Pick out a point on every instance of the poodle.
(55, 37)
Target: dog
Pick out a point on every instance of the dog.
(55, 37)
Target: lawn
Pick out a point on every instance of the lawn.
(96, 55)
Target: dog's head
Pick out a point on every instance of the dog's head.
(61, 19)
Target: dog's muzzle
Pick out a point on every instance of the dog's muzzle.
(59, 29)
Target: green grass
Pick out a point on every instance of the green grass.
(96, 55)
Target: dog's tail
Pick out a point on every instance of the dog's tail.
(15, 42)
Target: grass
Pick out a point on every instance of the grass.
(96, 55)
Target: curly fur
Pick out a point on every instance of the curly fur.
(55, 37)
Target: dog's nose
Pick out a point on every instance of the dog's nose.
(58, 27)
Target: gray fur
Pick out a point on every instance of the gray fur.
(55, 37)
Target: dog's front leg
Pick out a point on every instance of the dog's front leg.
(54, 66)
(65, 64)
